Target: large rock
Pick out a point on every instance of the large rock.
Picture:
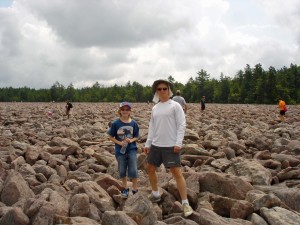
(228, 207)
(193, 149)
(114, 217)
(14, 189)
(208, 217)
(190, 134)
(79, 205)
(289, 196)
(224, 184)
(62, 142)
(104, 158)
(140, 209)
(14, 216)
(293, 161)
(279, 216)
(97, 195)
(258, 174)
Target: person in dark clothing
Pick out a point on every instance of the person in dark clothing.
(202, 103)
(68, 108)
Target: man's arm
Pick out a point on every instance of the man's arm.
(150, 132)
(181, 124)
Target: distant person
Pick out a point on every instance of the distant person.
(178, 98)
(68, 106)
(202, 103)
(49, 113)
(124, 132)
(164, 141)
(282, 109)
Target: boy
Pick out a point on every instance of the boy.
(124, 132)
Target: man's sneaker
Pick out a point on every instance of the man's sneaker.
(125, 193)
(153, 198)
(134, 191)
(187, 210)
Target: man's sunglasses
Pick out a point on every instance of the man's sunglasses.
(160, 89)
(125, 109)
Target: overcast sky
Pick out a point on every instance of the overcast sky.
(116, 41)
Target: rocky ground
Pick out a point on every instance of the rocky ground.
(242, 166)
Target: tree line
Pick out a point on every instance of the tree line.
(250, 86)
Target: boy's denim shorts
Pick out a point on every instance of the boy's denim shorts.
(127, 164)
(165, 155)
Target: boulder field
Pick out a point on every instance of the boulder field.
(241, 165)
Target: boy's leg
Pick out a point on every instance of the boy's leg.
(122, 164)
(132, 169)
(134, 184)
(122, 170)
(124, 182)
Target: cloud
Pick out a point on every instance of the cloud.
(108, 23)
(113, 42)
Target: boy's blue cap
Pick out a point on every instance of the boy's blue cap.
(125, 104)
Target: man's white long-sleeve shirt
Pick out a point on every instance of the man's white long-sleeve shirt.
(167, 125)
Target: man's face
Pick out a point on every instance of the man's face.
(163, 90)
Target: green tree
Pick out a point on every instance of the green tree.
(259, 88)
(247, 95)
(201, 80)
(57, 92)
(70, 92)
(271, 86)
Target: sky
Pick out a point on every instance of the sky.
(115, 41)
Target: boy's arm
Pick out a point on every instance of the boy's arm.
(115, 140)
(133, 139)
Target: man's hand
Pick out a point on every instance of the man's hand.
(146, 150)
(177, 149)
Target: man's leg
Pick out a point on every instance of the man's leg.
(152, 176)
(155, 195)
(180, 181)
(181, 185)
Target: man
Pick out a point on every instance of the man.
(178, 98)
(282, 109)
(202, 103)
(164, 142)
(68, 108)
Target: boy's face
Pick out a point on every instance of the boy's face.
(125, 110)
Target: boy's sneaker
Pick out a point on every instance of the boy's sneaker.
(134, 191)
(125, 193)
(153, 198)
(187, 210)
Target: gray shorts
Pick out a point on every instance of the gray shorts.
(165, 155)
